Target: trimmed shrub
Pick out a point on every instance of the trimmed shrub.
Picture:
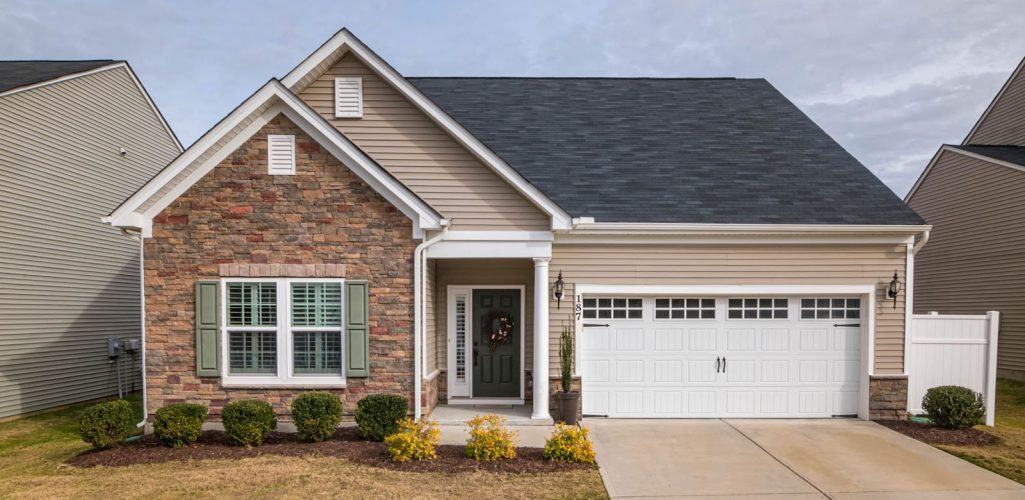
(106, 424)
(569, 443)
(953, 406)
(378, 415)
(316, 415)
(179, 424)
(414, 441)
(489, 439)
(248, 422)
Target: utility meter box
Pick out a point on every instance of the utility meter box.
(113, 347)
(133, 345)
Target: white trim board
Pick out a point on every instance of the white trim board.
(345, 40)
(114, 65)
(281, 101)
(946, 148)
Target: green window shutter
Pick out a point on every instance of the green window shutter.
(208, 331)
(357, 329)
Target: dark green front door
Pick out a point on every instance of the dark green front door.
(496, 355)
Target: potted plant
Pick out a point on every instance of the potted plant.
(569, 400)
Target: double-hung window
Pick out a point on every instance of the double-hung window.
(283, 331)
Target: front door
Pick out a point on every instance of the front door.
(496, 343)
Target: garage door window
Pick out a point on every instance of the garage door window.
(684, 308)
(830, 308)
(760, 308)
(613, 308)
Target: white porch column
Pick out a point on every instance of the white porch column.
(541, 339)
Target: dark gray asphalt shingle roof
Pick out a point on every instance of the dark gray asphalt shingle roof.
(14, 74)
(669, 150)
(1012, 154)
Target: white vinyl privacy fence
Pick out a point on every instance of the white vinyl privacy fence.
(953, 350)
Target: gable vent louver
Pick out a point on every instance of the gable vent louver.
(281, 154)
(349, 97)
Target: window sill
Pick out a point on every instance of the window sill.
(236, 382)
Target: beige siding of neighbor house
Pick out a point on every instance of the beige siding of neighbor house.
(420, 154)
(1004, 123)
(974, 260)
(735, 265)
(482, 272)
(68, 281)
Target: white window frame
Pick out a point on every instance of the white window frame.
(290, 168)
(359, 96)
(700, 309)
(285, 376)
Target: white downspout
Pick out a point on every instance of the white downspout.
(918, 246)
(142, 326)
(419, 312)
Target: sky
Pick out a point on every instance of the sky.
(889, 80)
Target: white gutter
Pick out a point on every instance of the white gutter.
(419, 312)
(588, 224)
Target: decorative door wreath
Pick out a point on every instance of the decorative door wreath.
(498, 327)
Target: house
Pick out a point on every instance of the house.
(76, 138)
(970, 193)
(350, 229)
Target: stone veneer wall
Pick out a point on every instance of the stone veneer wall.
(239, 215)
(888, 397)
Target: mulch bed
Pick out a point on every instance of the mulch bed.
(938, 435)
(346, 444)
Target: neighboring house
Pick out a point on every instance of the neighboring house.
(350, 229)
(972, 195)
(76, 138)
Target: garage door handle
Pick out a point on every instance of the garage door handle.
(724, 364)
(716, 365)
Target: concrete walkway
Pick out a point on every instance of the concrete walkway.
(753, 459)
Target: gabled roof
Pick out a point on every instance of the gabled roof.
(649, 150)
(244, 121)
(1012, 157)
(14, 74)
(993, 104)
(21, 76)
(345, 42)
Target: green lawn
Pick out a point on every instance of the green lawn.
(33, 452)
(1007, 459)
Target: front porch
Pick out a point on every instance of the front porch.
(485, 331)
(515, 415)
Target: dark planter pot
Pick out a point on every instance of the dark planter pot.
(569, 405)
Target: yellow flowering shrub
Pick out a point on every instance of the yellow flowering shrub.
(489, 439)
(414, 441)
(569, 443)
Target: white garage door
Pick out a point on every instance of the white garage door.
(701, 357)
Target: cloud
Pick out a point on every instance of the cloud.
(890, 81)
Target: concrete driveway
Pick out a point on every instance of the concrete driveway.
(842, 459)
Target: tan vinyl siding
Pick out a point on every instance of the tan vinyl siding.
(736, 265)
(430, 299)
(974, 260)
(484, 272)
(421, 155)
(1004, 124)
(68, 281)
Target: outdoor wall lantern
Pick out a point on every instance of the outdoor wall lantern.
(893, 289)
(560, 286)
